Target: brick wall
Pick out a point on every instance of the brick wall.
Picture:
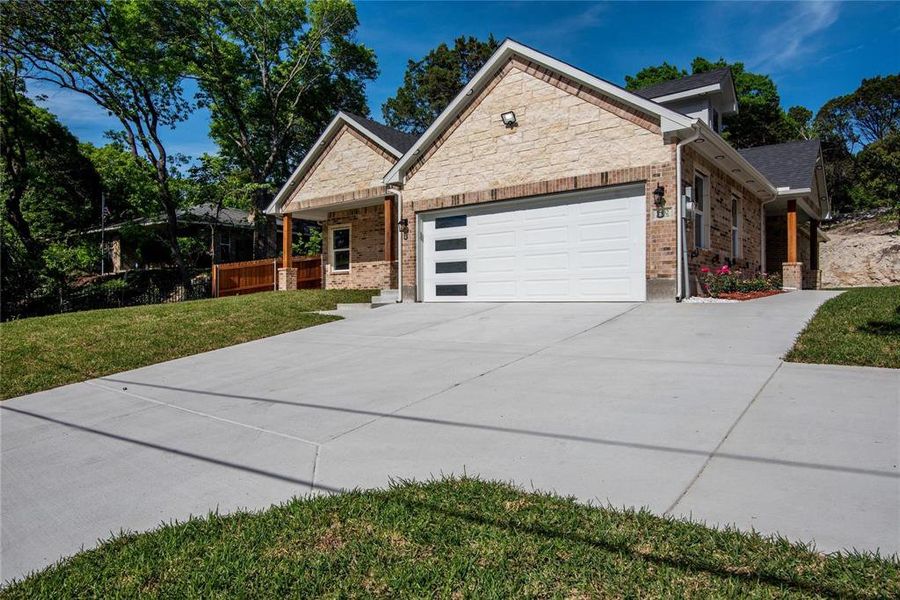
(368, 269)
(351, 163)
(722, 186)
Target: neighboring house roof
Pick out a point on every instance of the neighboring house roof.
(691, 82)
(397, 139)
(789, 165)
(392, 141)
(201, 213)
(670, 120)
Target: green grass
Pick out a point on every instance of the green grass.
(45, 352)
(859, 327)
(454, 538)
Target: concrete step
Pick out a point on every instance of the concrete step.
(386, 297)
(354, 306)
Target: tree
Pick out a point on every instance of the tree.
(847, 125)
(273, 74)
(119, 54)
(800, 121)
(878, 174)
(49, 186)
(652, 75)
(128, 181)
(430, 84)
(760, 119)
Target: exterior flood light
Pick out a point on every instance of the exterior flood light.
(659, 201)
(509, 119)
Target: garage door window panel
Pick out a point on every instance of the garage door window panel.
(451, 244)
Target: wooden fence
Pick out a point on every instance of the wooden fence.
(250, 276)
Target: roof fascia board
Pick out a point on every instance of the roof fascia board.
(711, 136)
(339, 119)
(706, 89)
(670, 120)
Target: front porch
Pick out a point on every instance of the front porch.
(792, 238)
(359, 242)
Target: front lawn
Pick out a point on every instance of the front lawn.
(457, 538)
(859, 327)
(45, 352)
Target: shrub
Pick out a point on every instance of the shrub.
(724, 281)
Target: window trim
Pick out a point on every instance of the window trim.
(737, 218)
(348, 249)
(704, 214)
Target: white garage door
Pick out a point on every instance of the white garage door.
(587, 246)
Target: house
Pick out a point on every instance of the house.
(541, 182)
(223, 235)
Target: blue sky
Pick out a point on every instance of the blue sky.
(814, 50)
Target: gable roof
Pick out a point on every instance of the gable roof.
(397, 139)
(789, 165)
(670, 120)
(691, 82)
(390, 140)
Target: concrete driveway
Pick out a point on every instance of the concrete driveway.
(686, 409)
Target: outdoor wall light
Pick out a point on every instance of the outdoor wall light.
(659, 201)
(509, 119)
(404, 227)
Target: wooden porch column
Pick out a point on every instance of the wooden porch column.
(388, 228)
(287, 252)
(813, 245)
(792, 231)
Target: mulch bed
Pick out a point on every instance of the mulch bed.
(748, 295)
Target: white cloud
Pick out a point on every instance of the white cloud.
(72, 108)
(567, 26)
(792, 38)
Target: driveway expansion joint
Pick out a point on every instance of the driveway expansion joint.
(198, 413)
(721, 443)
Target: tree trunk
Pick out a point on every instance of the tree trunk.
(172, 232)
(264, 233)
(15, 218)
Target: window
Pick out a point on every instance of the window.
(735, 227)
(224, 246)
(454, 221)
(458, 266)
(716, 121)
(701, 210)
(451, 290)
(340, 249)
(453, 244)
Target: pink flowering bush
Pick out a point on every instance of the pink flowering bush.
(724, 280)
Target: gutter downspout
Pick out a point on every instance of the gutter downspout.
(399, 196)
(681, 270)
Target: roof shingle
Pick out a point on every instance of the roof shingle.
(397, 139)
(684, 84)
(791, 164)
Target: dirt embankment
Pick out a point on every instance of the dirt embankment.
(861, 252)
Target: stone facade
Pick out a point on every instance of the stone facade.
(368, 269)
(287, 279)
(559, 134)
(351, 167)
(792, 276)
(722, 188)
